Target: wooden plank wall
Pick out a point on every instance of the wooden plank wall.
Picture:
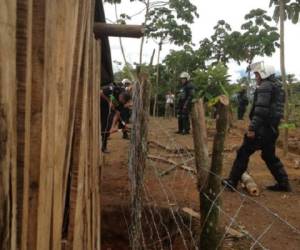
(49, 125)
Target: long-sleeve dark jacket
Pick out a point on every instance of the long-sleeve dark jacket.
(186, 95)
(242, 99)
(268, 105)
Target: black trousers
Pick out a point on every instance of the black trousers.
(241, 112)
(125, 117)
(107, 117)
(266, 142)
(184, 120)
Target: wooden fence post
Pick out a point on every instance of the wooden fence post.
(138, 157)
(200, 143)
(209, 182)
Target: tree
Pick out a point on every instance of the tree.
(212, 82)
(168, 22)
(285, 10)
(219, 42)
(260, 37)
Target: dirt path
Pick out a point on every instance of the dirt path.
(178, 190)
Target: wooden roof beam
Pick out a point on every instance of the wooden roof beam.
(118, 30)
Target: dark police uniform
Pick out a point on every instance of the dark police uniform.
(242, 103)
(184, 106)
(112, 93)
(265, 116)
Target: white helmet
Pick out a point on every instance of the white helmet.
(126, 81)
(185, 75)
(263, 69)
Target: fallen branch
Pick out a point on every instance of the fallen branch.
(162, 160)
(173, 163)
(250, 185)
(170, 150)
(191, 212)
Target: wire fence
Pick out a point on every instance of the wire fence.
(170, 202)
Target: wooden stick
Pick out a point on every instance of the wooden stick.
(169, 150)
(118, 30)
(175, 164)
(200, 143)
(250, 185)
(191, 212)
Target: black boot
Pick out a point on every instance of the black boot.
(125, 136)
(280, 175)
(105, 151)
(180, 125)
(280, 187)
(230, 185)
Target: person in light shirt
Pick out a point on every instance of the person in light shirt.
(169, 107)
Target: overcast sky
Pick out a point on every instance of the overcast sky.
(210, 11)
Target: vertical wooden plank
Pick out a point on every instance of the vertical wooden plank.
(48, 142)
(79, 237)
(74, 123)
(8, 129)
(23, 63)
(81, 26)
(66, 16)
(75, 228)
(33, 121)
(97, 146)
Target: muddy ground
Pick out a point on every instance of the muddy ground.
(268, 219)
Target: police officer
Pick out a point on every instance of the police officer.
(113, 100)
(184, 106)
(243, 102)
(265, 116)
(125, 112)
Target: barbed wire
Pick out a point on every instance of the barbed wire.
(244, 197)
(164, 225)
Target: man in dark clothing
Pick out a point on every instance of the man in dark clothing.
(126, 110)
(184, 106)
(265, 116)
(125, 114)
(242, 103)
(113, 101)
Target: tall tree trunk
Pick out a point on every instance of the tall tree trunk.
(157, 80)
(150, 85)
(283, 74)
(143, 38)
(122, 48)
(120, 39)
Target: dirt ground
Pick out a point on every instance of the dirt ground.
(268, 218)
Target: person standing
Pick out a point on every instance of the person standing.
(169, 107)
(243, 102)
(265, 116)
(185, 98)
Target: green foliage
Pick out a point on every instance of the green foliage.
(212, 82)
(125, 73)
(168, 21)
(219, 42)
(292, 10)
(259, 37)
(287, 125)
